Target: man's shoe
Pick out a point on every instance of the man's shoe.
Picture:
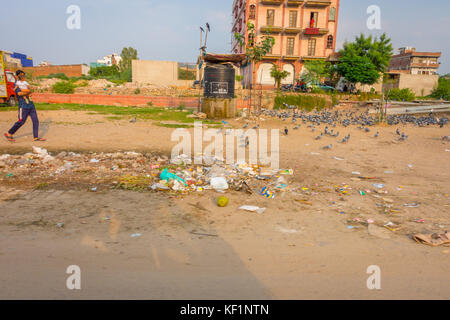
(40, 139)
(9, 137)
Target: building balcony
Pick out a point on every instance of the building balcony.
(315, 31)
(425, 65)
(272, 2)
(271, 29)
(295, 3)
(309, 58)
(317, 3)
(291, 30)
(272, 57)
(291, 58)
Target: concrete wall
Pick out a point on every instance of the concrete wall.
(163, 73)
(418, 83)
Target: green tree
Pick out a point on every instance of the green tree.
(365, 59)
(358, 69)
(104, 71)
(127, 55)
(315, 71)
(278, 75)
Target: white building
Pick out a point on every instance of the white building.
(109, 60)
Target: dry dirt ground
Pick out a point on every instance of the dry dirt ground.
(301, 247)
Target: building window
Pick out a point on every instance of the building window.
(332, 14)
(312, 47)
(252, 14)
(313, 19)
(271, 48)
(330, 42)
(251, 40)
(270, 17)
(292, 19)
(290, 46)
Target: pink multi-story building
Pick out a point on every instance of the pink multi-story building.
(303, 30)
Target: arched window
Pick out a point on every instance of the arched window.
(332, 14)
(330, 42)
(252, 14)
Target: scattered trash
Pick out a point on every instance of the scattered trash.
(378, 232)
(266, 193)
(136, 235)
(356, 173)
(288, 231)
(166, 175)
(389, 172)
(338, 159)
(94, 161)
(222, 201)
(287, 172)
(94, 189)
(419, 221)
(362, 193)
(60, 225)
(379, 185)
(219, 184)
(253, 209)
(351, 227)
(411, 205)
(434, 240)
(392, 226)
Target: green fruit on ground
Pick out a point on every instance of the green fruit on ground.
(222, 201)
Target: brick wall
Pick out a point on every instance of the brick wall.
(69, 70)
(93, 99)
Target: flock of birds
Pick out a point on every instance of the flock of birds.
(331, 120)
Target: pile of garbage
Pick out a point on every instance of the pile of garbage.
(137, 171)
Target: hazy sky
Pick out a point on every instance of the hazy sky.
(169, 29)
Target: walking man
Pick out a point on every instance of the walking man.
(26, 108)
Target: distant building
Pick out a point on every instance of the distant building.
(44, 64)
(303, 30)
(410, 61)
(110, 60)
(15, 60)
(413, 70)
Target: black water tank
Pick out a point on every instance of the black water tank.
(219, 81)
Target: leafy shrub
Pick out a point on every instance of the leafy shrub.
(64, 87)
(137, 91)
(443, 90)
(401, 95)
(304, 102)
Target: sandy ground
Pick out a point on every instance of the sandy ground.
(299, 248)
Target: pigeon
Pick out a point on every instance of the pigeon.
(446, 138)
(367, 130)
(328, 147)
(404, 137)
(377, 135)
(319, 137)
(133, 120)
(246, 126)
(398, 132)
(297, 127)
(256, 127)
